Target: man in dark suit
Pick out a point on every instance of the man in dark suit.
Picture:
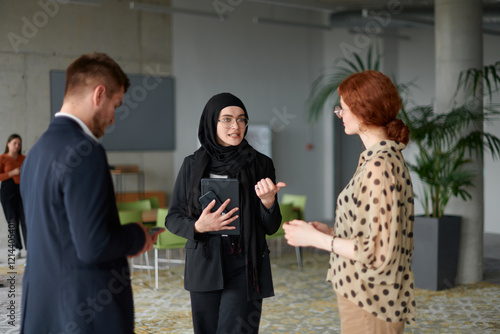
(77, 276)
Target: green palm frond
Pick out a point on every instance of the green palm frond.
(444, 175)
(469, 81)
(324, 87)
(492, 145)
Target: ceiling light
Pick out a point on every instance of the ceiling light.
(168, 10)
(257, 20)
(96, 3)
(297, 5)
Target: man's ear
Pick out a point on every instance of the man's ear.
(98, 95)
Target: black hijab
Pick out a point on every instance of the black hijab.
(237, 162)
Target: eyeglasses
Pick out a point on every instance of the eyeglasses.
(227, 122)
(338, 111)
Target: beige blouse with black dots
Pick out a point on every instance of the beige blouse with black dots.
(376, 210)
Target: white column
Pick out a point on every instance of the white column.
(459, 46)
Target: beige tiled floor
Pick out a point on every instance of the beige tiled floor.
(304, 302)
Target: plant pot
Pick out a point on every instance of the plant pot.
(435, 253)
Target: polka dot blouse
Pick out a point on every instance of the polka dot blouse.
(376, 210)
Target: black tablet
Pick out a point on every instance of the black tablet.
(224, 189)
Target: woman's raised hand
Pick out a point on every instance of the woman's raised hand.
(266, 190)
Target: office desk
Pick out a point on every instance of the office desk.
(149, 216)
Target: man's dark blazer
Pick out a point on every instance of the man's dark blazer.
(77, 276)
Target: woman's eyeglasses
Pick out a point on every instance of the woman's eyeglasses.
(227, 122)
(338, 111)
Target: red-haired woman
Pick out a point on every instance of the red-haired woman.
(10, 175)
(371, 242)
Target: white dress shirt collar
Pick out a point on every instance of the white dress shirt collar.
(79, 121)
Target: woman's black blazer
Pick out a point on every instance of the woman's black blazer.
(203, 270)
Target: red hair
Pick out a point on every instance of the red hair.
(373, 98)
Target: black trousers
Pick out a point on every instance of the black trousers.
(12, 205)
(227, 311)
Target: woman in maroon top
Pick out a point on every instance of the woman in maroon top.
(10, 175)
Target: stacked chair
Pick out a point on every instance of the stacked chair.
(287, 214)
(131, 212)
(166, 241)
(298, 203)
(130, 216)
(155, 202)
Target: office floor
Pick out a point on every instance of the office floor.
(304, 301)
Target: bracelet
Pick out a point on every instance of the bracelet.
(333, 238)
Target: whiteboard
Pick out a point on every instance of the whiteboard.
(145, 120)
(260, 137)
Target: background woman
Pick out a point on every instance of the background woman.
(371, 242)
(227, 276)
(10, 175)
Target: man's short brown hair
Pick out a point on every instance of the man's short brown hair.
(90, 70)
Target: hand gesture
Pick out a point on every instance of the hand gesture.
(322, 227)
(215, 221)
(266, 190)
(14, 172)
(300, 233)
(148, 244)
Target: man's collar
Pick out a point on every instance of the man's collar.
(79, 121)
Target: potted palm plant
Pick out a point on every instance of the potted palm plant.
(445, 149)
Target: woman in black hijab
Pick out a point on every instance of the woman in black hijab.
(227, 276)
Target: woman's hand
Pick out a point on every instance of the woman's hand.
(302, 234)
(14, 172)
(322, 227)
(266, 190)
(318, 235)
(215, 221)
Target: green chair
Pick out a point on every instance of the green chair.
(130, 216)
(287, 214)
(142, 204)
(155, 202)
(167, 241)
(299, 203)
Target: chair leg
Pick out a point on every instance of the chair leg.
(156, 268)
(146, 256)
(298, 252)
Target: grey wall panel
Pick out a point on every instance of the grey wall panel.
(145, 120)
